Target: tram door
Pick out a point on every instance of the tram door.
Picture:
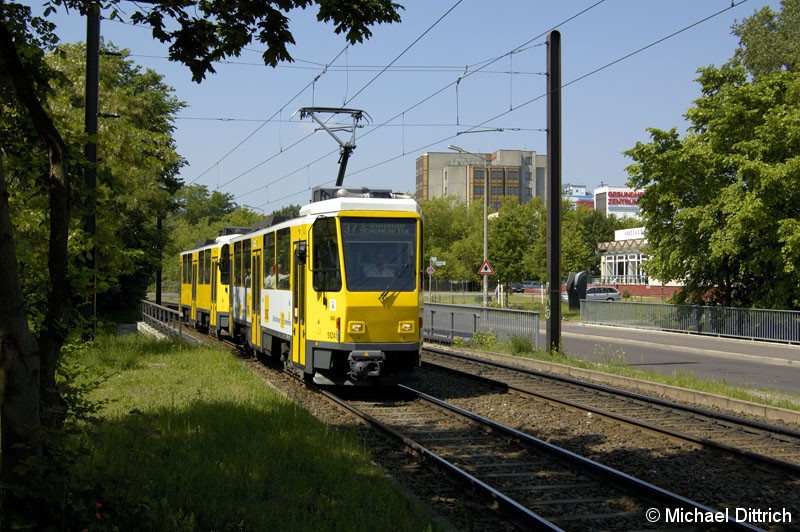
(193, 315)
(255, 297)
(299, 303)
(213, 309)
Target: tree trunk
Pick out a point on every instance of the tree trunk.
(27, 371)
(19, 360)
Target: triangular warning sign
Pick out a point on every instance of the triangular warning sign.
(485, 268)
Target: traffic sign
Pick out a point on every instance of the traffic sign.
(485, 268)
(430, 270)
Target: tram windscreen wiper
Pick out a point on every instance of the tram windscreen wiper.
(394, 280)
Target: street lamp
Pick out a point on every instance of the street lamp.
(485, 215)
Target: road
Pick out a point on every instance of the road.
(737, 362)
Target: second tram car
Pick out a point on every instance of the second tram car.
(335, 292)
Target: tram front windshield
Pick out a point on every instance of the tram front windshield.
(380, 254)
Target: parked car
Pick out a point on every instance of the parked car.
(602, 293)
(598, 293)
(516, 287)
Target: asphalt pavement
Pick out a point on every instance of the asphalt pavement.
(749, 363)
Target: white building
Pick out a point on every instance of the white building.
(618, 201)
(577, 195)
(621, 264)
(621, 260)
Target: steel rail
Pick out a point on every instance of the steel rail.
(517, 513)
(791, 467)
(625, 393)
(618, 477)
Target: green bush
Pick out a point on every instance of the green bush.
(521, 345)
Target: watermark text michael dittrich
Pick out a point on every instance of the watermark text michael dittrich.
(738, 515)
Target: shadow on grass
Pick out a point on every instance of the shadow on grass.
(229, 466)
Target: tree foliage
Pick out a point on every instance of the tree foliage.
(202, 33)
(33, 123)
(768, 41)
(200, 215)
(517, 238)
(721, 205)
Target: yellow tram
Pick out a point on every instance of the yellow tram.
(335, 292)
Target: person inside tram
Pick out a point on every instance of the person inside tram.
(275, 274)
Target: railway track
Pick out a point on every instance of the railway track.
(758, 442)
(713, 478)
(534, 484)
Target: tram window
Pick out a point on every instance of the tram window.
(380, 254)
(269, 260)
(207, 267)
(283, 248)
(201, 264)
(225, 265)
(187, 269)
(246, 263)
(237, 264)
(325, 256)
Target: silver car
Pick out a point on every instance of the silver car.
(602, 293)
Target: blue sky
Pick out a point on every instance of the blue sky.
(240, 134)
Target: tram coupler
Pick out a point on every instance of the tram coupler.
(366, 364)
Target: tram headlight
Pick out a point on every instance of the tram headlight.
(356, 327)
(405, 327)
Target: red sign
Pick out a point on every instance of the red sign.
(485, 268)
(624, 197)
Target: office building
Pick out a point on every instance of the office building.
(511, 173)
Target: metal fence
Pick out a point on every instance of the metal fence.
(752, 324)
(448, 322)
(163, 319)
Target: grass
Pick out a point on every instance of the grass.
(192, 440)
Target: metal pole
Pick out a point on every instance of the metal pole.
(485, 229)
(553, 310)
(90, 151)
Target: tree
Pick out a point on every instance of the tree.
(721, 208)
(769, 42)
(512, 238)
(195, 202)
(446, 220)
(596, 228)
(136, 171)
(200, 33)
(721, 205)
(577, 252)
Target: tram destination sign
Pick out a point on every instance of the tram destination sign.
(371, 229)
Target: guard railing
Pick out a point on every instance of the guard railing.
(165, 320)
(747, 323)
(451, 322)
